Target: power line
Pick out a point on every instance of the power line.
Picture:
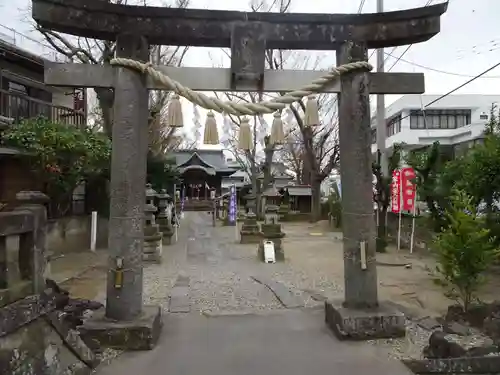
(361, 5)
(429, 2)
(399, 58)
(457, 88)
(464, 84)
(389, 54)
(437, 70)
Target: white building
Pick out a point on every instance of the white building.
(455, 120)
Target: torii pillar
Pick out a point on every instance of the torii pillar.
(361, 314)
(127, 324)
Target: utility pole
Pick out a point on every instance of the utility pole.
(381, 126)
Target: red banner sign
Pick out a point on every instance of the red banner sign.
(408, 188)
(396, 191)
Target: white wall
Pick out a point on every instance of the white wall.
(478, 104)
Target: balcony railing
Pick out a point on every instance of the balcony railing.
(19, 106)
(27, 43)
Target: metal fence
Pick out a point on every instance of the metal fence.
(18, 107)
(31, 45)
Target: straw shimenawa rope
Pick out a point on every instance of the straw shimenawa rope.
(238, 109)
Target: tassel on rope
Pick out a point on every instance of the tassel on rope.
(211, 134)
(277, 134)
(311, 117)
(245, 138)
(174, 114)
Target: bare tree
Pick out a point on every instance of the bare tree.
(98, 52)
(248, 159)
(260, 157)
(312, 152)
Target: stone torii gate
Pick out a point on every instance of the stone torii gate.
(248, 35)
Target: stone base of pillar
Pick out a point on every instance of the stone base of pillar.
(383, 322)
(250, 231)
(227, 223)
(167, 238)
(168, 232)
(152, 248)
(272, 232)
(250, 235)
(284, 212)
(152, 257)
(141, 333)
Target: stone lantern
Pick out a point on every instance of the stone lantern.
(164, 218)
(250, 231)
(250, 202)
(272, 200)
(271, 228)
(284, 207)
(152, 247)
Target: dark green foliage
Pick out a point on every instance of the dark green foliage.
(464, 250)
(162, 173)
(61, 156)
(382, 196)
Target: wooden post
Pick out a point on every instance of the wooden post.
(128, 177)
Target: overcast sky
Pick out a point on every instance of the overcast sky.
(468, 44)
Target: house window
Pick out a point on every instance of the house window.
(18, 104)
(393, 125)
(374, 135)
(417, 121)
(439, 119)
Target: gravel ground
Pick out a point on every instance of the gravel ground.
(158, 279)
(410, 346)
(220, 272)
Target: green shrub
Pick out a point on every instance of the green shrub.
(464, 250)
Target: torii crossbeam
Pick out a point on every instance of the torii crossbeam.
(248, 35)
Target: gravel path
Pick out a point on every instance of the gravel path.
(220, 272)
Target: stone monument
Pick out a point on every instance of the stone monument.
(226, 218)
(152, 250)
(271, 228)
(250, 231)
(164, 217)
(284, 212)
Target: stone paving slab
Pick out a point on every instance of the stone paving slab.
(282, 293)
(293, 342)
(179, 296)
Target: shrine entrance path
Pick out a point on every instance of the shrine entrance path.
(234, 325)
(291, 342)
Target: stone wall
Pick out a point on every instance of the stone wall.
(34, 340)
(73, 234)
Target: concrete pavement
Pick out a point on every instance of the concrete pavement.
(271, 340)
(286, 342)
